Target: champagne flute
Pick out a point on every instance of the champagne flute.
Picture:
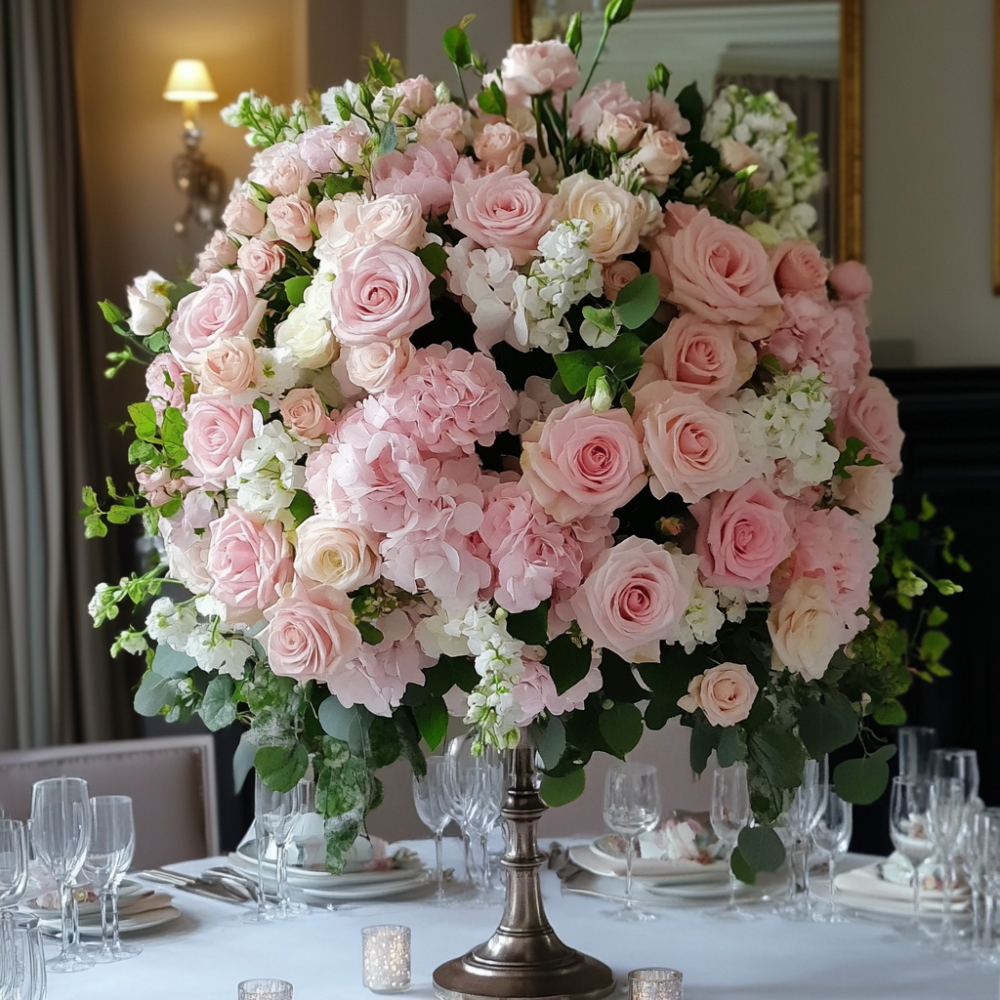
(908, 805)
(957, 764)
(13, 881)
(278, 812)
(111, 832)
(123, 863)
(60, 832)
(484, 780)
(832, 836)
(946, 816)
(801, 816)
(428, 797)
(631, 807)
(730, 813)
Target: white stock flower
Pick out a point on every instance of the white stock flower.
(485, 281)
(148, 303)
(277, 372)
(132, 642)
(216, 653)
(350, 92)
(703, 619)
(171, 623)
(266, 475)
(306, 332)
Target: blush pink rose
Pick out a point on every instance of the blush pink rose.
(660, 155)
(260, 260)
(799, 267)
(538, 68)
(719, 272)
(499, 145)
(616, 217)
(215, 435)
(342, 556)
(310, 634)
(443, 123)
(303, 411)
(374, 367)
(423, 170)
(243, 216)
(805, 629)
(711, 359)
(725, 693)
(392, 217)
(737, 156)
(871, 415)
(226, 307)
(665, 114)
(868, 492)
(228, 367)
(154, 483)
(502, 209)
(381, 293)
(606, 97)
(418, 96)
(327, 149)
(634, 598)
(620, 131)
(690, 447)
(220, 252)
(742, 536)
(292, 219)
(249, 560)
(617, 275)
(580, 462)
(851, 281)
(281, 169)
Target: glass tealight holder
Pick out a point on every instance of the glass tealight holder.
(655, 984)
(265, 989)
(385, 950)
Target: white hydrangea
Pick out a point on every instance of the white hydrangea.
(277, 372)
(171, 623)
(217, 653)
(485, 281)
(266, 474)
(703, 619)
(734, 601)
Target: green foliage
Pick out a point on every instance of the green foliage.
(432, 720)
(864, 779)
(621, 727)
(295, 288)
(558, 791)
(761, 848)
(637, 301)
(282, 768)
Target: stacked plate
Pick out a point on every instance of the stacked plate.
(139, 908)
(357, 883)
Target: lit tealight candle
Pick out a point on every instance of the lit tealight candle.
(655, 984)
(386, 956)
(265, 989)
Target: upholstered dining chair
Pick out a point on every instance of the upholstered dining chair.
(170, 779)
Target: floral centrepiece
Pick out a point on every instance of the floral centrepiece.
(539, 407)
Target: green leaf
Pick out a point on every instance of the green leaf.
(531, 626)
(574, 367)
(281, 768)
(740, 868)
(155, 693)
(660, 711)
(301, 507)
(170, 662)
(704, 739)
(493, 100)
(637, 301)
(885, 753)
(111, 312)
(94, 526)
(828, 725)
(728, 749)
(770, 364)
(117, 514)
(432, 720)
(171, 506)
(779, 755)
(263, 407)
(172, 426)
(144, 417)
(559, 791)
(295, 288)
(336, 184)
(550, 741)
(457, 47)
(933, 645)
(692, 107)
(89, 498)
(567, 662)
(621, 727)
(217, 709)
(387, 139)
(433, 257)
(890, 713)
(861, 781)
(761, 848)
(937, 616)
(344, 724)
(369, 633)
(383, 741)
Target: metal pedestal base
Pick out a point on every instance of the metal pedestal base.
(524, 960)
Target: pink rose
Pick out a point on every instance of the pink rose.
(381, 293)
(721, 273)
(536, 68)
(418, 96)
(742, 536)
(243, 216)
(228, 367)
(310, 634)
(215, 435)
(665, 114)
(249, 560)
(805, 631)
(423, 170)
(617, 275)
(851, 281)
(303, 411)
(868, 492)
(153, 484)
(281, 169)
(503, 209)
(737, 156)
(591, 106)
(725, 693)
(580, 462)
(615, 216)
(872, 416)
(499, 145)
(260, 261)
(165, 383)
(292, 219)
(660, 154)
(443, 123)
(219, 253)
(326, 214)
(327, 149)
(342, 556)
(620, 130)
(393, 217)
(799, 267)
(375, 366)
(707, 358)
(226, 307)
(633, 599)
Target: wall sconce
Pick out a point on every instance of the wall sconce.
(194, 176)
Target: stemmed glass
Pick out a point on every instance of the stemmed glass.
(908, 806)
(276, 813)
(832, 836)
(631, 807)
(958, 764)
(482, 779)
(13, 881)
(122, 865)
(60, 833)
(916, 744)
(801, 816)
(946, 815)
(730, 813)
(979, 834)
(428, 797)
(458, 755)
(111, 833)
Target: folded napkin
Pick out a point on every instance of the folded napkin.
(870, 883)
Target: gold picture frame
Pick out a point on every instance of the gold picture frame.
(850, 245)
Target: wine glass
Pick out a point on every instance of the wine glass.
(946, 815)
(908, 806)
(459, 752)
(959, 764)
(429, 799)
(123, 862)
(13, 881)
(802, 810)
(730, 813)
(916, 743)
(483, 778)
(976, 852)
(111, 833)
(277, 812)
(832, 836)
(60, 832)
(631, 807)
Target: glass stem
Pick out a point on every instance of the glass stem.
(280, 873)
(467, 853)
(65, 900)
(261, 898)
(486, 862)
(75, 930)
(916, 892)
(629, 849)
(439, 867)
(987, 926)
(977, 904)
(115, 943)
(104, 921)
(946, 915)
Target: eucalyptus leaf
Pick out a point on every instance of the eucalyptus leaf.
(828, 725)
(217, 709)
(621, 727)
(432, 719)
(637, 301)
(281, 768)
(170, 662)
(761, 848)
(863, 780)
(550, 741)
(560, 791)
(155, 693)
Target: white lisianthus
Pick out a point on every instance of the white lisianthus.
(277, 372)
(266, 475)
(130, 642)
(349, 92)
(148, 303)
(306, 332)
(171, 623)
(216, 653)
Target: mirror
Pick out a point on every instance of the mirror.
(808, 52)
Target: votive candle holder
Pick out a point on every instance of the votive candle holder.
(655, 984)
(265, 989)
(385, 950)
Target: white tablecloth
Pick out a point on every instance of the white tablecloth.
(203, 955)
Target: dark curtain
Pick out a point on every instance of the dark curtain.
(816, 105)
(57, 682)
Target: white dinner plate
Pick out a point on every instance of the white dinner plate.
(649, 870)
(126, 890)
(303, 878)
(142, 921)
(382, 891)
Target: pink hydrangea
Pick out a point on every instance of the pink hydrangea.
(425, 170)
(453, 401)
(281, 169)
(327, 149)
(536, 691)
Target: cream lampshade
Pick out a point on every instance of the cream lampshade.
(189, 81)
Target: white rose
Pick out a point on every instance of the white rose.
(376, 366)
(805, 630)
(227, 367)
(615, 216)
(188, 564)
(148, 303)
(343, 556)
(868, 491)
(393, 217)
(306, 332)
